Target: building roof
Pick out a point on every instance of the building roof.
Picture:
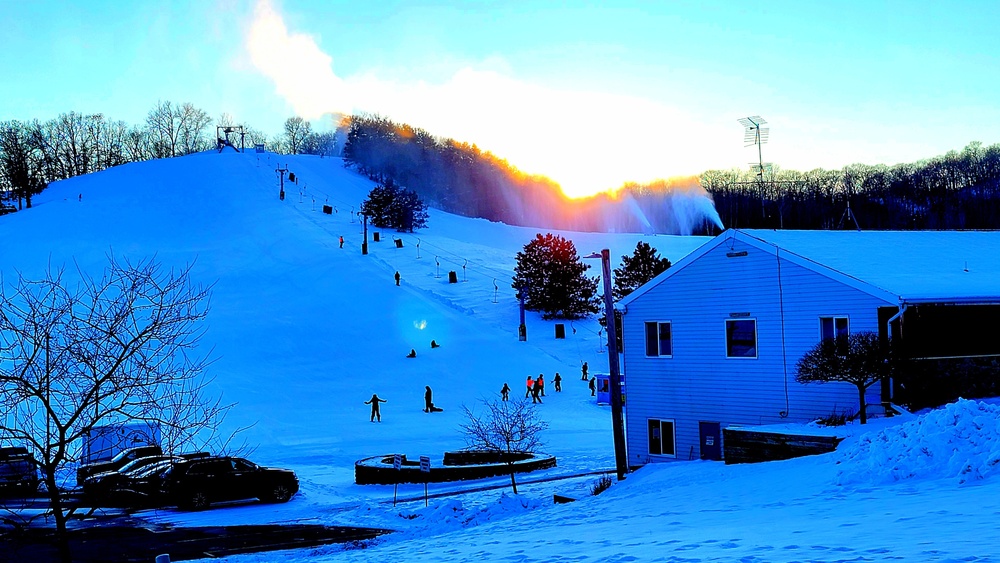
(899, 266)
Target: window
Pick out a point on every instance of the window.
(661, 437)
(834, 327)
(658, 339)
(741, 338)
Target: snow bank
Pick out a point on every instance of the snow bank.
(960, 440)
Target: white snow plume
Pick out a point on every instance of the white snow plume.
(676, 206)
(960, 440)
(302, 73)
(692, 207)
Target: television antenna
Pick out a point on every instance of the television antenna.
(756, 134)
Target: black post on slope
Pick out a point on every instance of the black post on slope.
(522, 329)
(282, 172)
(364, 244)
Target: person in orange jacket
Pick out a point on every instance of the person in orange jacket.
(531, 385)
(541, 384)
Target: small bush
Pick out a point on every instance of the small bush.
(836, 419)
(603, 484)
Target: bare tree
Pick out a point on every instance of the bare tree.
(297, 130)
(192, 123)
(506, 428)
(860, 358)
(121, 348)
(21, 163)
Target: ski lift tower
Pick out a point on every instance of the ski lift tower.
(221, 130)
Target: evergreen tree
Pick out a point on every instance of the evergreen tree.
(391, 207)
(553, 279)
(644, 265)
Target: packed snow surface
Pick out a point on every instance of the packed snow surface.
(304, 331)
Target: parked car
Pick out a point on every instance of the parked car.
(136, 488)
(99, 485)
(6, 208)
(196, 483)
(18, 472)
(117, 462)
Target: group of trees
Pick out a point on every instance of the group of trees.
(959, 190)
(35, 153)
(391, 207)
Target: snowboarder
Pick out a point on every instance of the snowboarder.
(593, 386)
(584, 369)
(505, 392)
(412, 354)
(536, 392)
(558, 381)
(531, 386)
(428, 402)
(341, 241)
(397, 278)
(374, 401)
(434, 344)
(541, 384)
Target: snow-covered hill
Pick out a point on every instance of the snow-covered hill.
(305, 331)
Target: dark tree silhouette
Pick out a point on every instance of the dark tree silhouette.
(506, 428)
(862, 361)
(644, 265)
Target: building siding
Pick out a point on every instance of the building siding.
(699, 383)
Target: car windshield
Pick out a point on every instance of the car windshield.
(139, 463)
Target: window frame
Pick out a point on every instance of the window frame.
(756, 341)
(841, 344)
(659, 338)
(673, 436)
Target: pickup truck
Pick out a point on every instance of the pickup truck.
(18, 471)
(123, 458)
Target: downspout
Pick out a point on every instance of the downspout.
(888, 332)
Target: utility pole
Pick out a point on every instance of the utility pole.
(615, 378)
(364, 244)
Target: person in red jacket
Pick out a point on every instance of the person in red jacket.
(541, 384)
(531, 385)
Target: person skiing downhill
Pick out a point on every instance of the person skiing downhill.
(374, 401)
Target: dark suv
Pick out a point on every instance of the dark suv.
(195, 483)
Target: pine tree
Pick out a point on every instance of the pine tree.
(644, 265)
(554, 280)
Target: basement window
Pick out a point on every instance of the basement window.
(658, 341)
(661, 437)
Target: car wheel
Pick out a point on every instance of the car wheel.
(280, 493)
(197, 500)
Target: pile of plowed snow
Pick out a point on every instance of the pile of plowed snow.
(960, 440)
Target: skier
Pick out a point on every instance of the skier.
(536, 392)
(584, 369)
(541, 384)
(434, 344)
(428, 402)
(374, 401)
(412, 354)
(531, 385)
(397, 278)
(341, 241)
(505, 392)
(558, 382)
(593, 386)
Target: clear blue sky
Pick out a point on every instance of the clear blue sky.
(589, 94)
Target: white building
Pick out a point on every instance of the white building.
(713, 341)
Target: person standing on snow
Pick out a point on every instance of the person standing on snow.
(584, 377)
(536, 392)
(397, 277)
(531, 387)
(374, 401)
(505, 392)
(593, 386)
(541, 384)
(428, 402)
(341, 241)
(558, 382)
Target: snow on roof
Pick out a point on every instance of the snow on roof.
(913, 265)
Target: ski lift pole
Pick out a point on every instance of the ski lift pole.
(522, 330)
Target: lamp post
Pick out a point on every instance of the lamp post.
(617, 424)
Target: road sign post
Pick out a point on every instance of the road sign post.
(425, 467)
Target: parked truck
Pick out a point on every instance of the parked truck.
(18, 472)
